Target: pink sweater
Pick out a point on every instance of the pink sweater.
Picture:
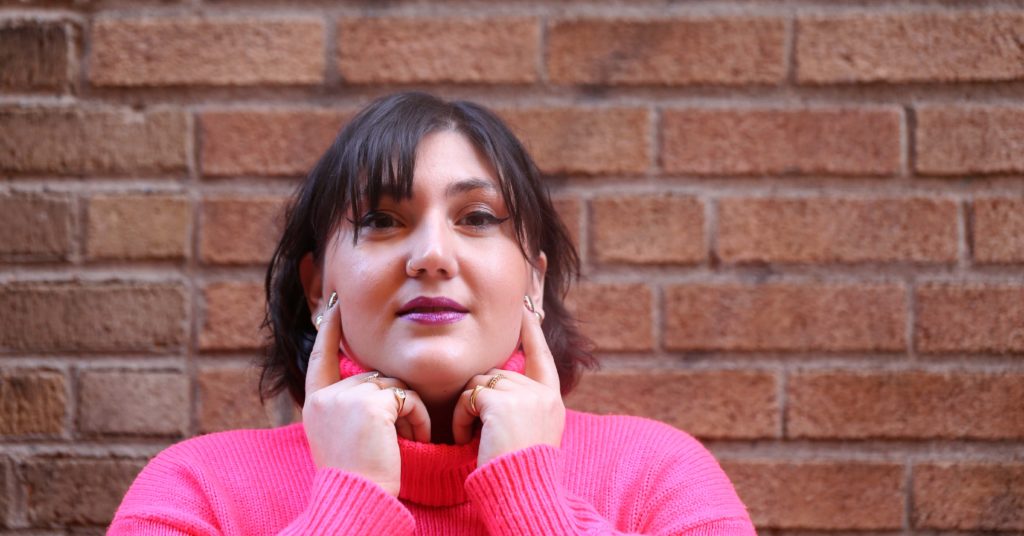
(612, 474)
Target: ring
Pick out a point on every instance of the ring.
(494, 380)
(372, 377)
(400, 397)
(472, 399)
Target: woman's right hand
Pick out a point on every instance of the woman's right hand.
(351, 423)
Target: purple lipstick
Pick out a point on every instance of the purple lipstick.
(433, 311)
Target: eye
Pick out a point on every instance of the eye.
(375, 220)
(481, 219)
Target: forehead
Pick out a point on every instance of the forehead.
(448, 162)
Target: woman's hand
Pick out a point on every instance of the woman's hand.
(518, 410)
(350, 423)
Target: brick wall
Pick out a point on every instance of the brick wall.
(802, 225)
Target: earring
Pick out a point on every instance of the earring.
(529, 304)
(319, 320)
(332, 300)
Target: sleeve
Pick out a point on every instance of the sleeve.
(522, 493)
(169, 498)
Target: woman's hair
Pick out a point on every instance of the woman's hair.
(373, 156)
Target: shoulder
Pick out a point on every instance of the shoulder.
(234, 450)
(626, 432)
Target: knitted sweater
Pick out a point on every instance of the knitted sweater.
(611, 474)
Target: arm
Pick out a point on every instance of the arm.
(683, 492)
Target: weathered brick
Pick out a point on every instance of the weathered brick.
(909, 47)
(617, 317)
(128, 226)
(650, 229)
(133, 402)
(266, 142)
(998, 231)
(233, 314)
(970, 318)
(570, 210)
(716, 404)
(77, 491)
(229, 398)
(586, 141)
(839, 495)
(92, 317)
(240, 230)
(69, 141)
(785, 317)
(427, 50)
(969, 496)
(34, 55)
(37, 226)
(5, 485)
(911, 405)
(207, 51)
(836, 141)
(31, 402)
(726, 51)
(955, 140)
(824, 230)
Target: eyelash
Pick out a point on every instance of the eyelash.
(368, 220)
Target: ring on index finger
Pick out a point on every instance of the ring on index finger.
(472, 399)
(494, 380)
(399, 397)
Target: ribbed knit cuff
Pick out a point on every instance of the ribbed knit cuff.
(344, 503)
(521, 493)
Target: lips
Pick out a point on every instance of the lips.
(425, 306)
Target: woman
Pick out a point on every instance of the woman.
(415, 306)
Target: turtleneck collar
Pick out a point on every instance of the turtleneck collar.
(434, 474)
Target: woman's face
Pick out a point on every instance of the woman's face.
(432, 290)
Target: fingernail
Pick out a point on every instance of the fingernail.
(332, 300)
(529, 304)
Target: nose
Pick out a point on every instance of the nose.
(432, 251)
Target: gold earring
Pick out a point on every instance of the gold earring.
(529, 304)
(332, 300)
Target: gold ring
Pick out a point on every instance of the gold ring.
(400, 397)
(494, 380)
(372, 377)
(472, 399)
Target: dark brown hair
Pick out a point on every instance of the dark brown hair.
(374, 156)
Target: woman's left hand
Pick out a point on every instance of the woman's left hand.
(519, 410)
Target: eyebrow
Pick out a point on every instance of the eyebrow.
(468, 185)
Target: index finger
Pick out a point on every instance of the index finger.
(540, 364)
(323, 359)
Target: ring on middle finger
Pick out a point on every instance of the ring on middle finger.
(372, 377)
(494, 380)
(399, 397)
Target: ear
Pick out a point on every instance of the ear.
(536, 286)
(312, 284)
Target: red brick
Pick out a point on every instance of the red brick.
(825, 230)
(585, 141)
(32, 402)
(651, 229)
(34, 54)
(266, 142)
(726, 51)
(955, 140)
(840, 495)
(835, 141)
(912, 405)
(37, 226)
(969, 496)
(77, 491)
(207, 51)
(240, 230)
(786, 317)
(719, 404)
(127, 226)
(425, 50)
(998, 233)
(69, 141)
(233, 314)
(229, 398)
(617, 317)
(134, 403)
(570, 210)
(92, 317)
(910, 47)
(6, 483)
(970, 317)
